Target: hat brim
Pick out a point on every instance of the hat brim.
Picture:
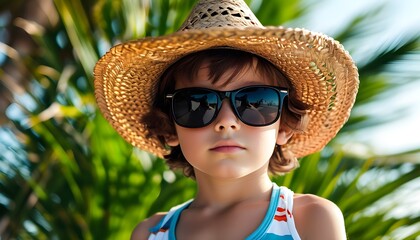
(322, 72)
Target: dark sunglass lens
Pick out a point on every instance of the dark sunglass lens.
(257, 106)
(194, 108)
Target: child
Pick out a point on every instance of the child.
(228, 101)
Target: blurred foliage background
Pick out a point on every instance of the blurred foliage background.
(66, 174)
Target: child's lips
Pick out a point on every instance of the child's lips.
(227, 147)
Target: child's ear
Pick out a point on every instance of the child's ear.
(284, 135)
(172, 140)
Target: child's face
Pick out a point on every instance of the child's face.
(228, 148)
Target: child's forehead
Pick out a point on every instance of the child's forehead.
(209, 74)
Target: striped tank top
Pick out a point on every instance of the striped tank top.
(278, 222)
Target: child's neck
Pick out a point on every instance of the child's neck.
(222, 193)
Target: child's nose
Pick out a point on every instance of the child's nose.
(226, 119)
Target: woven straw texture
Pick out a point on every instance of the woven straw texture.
(323, 73)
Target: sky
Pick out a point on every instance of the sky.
(398, 16)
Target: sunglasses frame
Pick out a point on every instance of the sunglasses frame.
(222, 95)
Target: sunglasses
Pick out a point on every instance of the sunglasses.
(254, 105)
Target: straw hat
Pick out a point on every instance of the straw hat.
(322, 72)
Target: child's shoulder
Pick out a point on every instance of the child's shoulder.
(142, 229)
(317, 217)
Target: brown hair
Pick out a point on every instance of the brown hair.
(219, 61)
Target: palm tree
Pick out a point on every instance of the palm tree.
(66, 174)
